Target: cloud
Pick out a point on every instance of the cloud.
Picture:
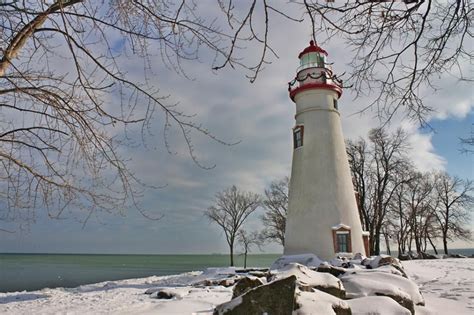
(423, 153)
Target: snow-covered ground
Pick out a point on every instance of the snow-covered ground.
(447, 286)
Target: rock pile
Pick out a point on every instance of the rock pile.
(376, 285)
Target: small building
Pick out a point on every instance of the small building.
(323, 216)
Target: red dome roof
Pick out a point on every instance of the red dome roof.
(312, 48)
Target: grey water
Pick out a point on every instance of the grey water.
(19, 272)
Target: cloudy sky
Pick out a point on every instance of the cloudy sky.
(260, 116)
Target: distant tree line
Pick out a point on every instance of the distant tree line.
(401, 205)
(398, 204)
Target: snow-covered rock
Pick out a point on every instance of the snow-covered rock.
(309, 260)
(276, 298)
(245, 284)
(376, 305)
(327, 268)
(318, 302)
(307, 279)
(381, 260)
(376, 283)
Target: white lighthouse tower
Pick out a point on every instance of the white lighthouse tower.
(323, 217)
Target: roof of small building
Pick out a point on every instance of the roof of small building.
(312, 48)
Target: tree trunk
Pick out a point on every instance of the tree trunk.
(387, 244)
(377, 240)
(445, 243)
(231, 247)
(372, 241)
(245, 259)
(432, 245)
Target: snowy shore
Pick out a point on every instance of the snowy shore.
(447, 286)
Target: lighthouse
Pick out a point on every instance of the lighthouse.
(323, 217)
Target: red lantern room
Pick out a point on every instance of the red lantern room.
(313, 72)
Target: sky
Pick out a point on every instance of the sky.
(259, 116)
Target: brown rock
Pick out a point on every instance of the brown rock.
(335, 271)
(406, 303)
(275, 298)
(244, 285)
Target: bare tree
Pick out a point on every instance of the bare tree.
(247, 240)
(398, 47)
(232, 208)
(69, 103)
(419, 208)
(276, 208)
(454, 207)
(67, 95)
(358, 155)
(374, 166)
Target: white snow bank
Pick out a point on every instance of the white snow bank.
(360, 283)
(376, 305)
(219, 271)
(317, 302)
(381, 260)
(306, 276)
(309, 260)
(446, 284)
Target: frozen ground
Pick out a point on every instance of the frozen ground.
(447, 286)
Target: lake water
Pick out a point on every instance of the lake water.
(29, 272)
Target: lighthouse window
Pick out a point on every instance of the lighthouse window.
(343, 243)
(298, 137)
(335, 104)
(320, 61)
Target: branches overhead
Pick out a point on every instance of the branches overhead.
(78, 80)
(398, 48)
(75, 86)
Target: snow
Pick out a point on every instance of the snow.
(447, 286)
(376, 305)
(317, 302)
(309, 260)
(341, 225)
(306, 276)
(367, 283)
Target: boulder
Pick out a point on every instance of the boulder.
(383, 260)
(276, 298)
(335, 271)
(317, 302)
(376, 305)
(307, 279)
(404, 256)
(424, 255)
(167, 294)
(456, 256)
(404, 301)
(358, 256)
(375, 283)
(308, 260)
(244, 285)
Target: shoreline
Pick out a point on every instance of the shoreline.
(446, 284)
